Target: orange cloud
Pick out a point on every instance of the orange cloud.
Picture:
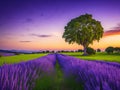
(111, 32)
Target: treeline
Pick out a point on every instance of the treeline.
(111, 50)
(90, 51)
(46, 51)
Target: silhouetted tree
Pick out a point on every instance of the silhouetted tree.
(98, 50)
(90, 51)
(43, 51)
(47, 51)
(52, 51)
(109, 50)
(17, 53)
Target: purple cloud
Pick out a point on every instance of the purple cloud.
(111, 32)
(42, 36)
(114, 31)
(25, 41)
(117, 27)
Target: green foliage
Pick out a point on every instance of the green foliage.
(44, 83)
(70, 83)
(19, 58)
(90, 51)
(57, 81)
(47, 51)
(83, 30)
(98, 56)
(109, 50)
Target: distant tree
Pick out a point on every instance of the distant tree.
(83, 30)
(117, 49)
(98, 50)
(33, 52)
(76, 50)
(59, 51)
(90, 51)
(17, 53)
(52, 51)
(43, 51)
(38, 52)
(0, 55)
(80, 50)
(62, 51)
(109, 50)
(71, 51)
(47, 51)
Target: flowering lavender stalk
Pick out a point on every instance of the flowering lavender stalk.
(94, 75)
(22, 76)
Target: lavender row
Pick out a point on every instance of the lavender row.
(93, 75)
(22, 76)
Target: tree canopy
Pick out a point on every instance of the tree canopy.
(109, 50)
(83, 30)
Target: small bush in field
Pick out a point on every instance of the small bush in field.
(90, 51)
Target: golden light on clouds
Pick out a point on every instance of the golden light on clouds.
(111, 32)
(56, 42)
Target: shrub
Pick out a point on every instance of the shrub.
(98, 50)
(109, 50)
(90, 51)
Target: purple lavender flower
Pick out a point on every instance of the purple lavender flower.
(22, 76)
(94, 75)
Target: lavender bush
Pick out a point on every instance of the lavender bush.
(22, 76)
(93, 75)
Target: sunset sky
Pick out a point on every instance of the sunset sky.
(39, 24)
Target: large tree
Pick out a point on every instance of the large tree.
(83, 30)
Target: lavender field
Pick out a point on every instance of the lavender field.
(60, 72)
(22, 76)
(93, 75)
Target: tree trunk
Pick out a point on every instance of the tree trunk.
(85, 51)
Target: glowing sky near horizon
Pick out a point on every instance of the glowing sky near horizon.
(39, 24)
